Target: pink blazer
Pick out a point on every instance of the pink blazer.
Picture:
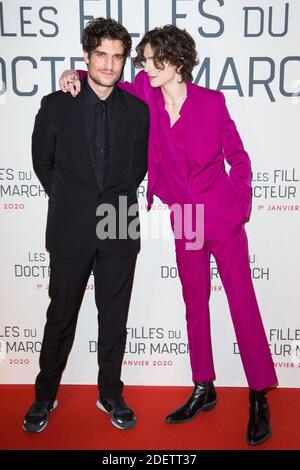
(211, 139)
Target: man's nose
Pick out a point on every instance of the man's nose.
(109, 62)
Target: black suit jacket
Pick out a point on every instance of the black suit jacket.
(63, 164)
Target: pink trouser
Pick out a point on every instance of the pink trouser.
(232, 258)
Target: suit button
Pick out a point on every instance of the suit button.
(100, 195)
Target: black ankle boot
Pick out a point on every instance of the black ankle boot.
(259, 429)
(203, 398)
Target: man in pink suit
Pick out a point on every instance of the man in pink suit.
(191, 137)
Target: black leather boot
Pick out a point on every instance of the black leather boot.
(203, 398)
(259, 429)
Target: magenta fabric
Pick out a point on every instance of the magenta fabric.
(231, 255)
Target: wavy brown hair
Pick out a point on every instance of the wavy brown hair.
(170, 44)
(105, 28)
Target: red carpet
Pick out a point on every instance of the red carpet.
(78, 424)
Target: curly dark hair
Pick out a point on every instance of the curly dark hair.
(105, 28)
(170, 44)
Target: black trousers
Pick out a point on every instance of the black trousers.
(113, 285)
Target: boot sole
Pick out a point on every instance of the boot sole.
(261, 441)
(55, 403)
(204, 408)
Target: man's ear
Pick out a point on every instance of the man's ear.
(86, 57)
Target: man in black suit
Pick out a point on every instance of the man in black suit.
(89, 152)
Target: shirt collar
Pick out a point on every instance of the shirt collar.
(91, 98)
(160, 102)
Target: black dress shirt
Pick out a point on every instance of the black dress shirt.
(98, 122)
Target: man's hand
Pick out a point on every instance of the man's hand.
(69, 82)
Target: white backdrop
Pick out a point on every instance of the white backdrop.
(250, 50)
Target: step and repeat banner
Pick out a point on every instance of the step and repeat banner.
(249, 49)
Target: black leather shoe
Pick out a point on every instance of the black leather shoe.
(203, 398)
(121, 415)
(36, 418)
(259, 429)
